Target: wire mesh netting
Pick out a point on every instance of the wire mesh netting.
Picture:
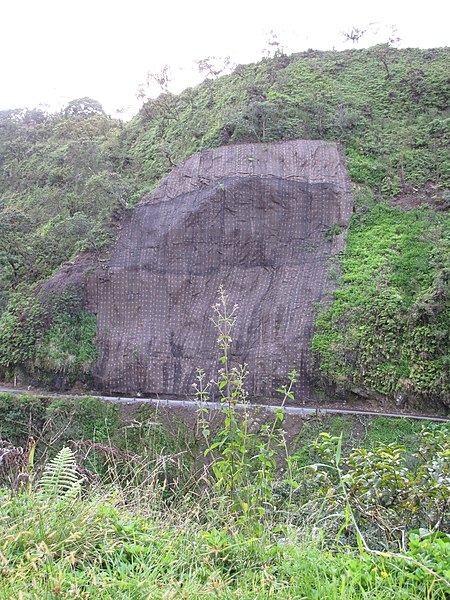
(263, 220)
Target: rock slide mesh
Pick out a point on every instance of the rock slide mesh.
(252, 218)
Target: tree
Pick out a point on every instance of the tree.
(354, 34)
(274, 49)
(213, 66)
(83, 107)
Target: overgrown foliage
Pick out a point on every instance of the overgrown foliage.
(48, 333)
(59, 183)
(394, 129)
(103, 520)
(387, 327)
(60, 187)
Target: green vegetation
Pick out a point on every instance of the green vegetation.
(395, 129)
(59, 184)
(48, 333)
(95, 503)
(240, 515)
(357, 432)
(97, 548)
(387, 328)
(55, 422)
(103, 521)
(65, 178)
(59, 191)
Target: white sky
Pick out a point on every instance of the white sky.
(53, 51)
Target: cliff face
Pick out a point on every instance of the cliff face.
(253, 218)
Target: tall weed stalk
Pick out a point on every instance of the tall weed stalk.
(243, 462)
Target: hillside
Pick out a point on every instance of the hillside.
(253, 219)
(66, 178)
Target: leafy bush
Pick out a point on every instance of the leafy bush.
(387, 489)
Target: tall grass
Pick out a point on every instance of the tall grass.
(112, 544)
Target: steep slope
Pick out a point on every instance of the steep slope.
(253, 218)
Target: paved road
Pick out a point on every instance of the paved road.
(192, 405)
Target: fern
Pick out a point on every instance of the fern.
(60, 479)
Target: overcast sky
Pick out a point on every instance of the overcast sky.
(55, 51)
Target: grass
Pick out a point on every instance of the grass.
(99, 548)
(400, 431)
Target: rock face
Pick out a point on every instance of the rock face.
(255, 218)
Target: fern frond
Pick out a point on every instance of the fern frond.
(60, 479)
